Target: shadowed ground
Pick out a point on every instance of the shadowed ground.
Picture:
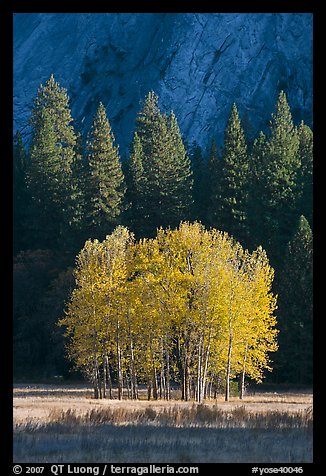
(66, 425)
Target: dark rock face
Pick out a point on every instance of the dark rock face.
(198, 64)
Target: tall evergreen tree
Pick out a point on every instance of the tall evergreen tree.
(214, 192)
(256, 190)
(52, 152)
(55, 101)
(44, 166)
(231, 196)
(136, 185)
(280, 179)
(105, 185)
(305, 178)
(164, 186)
(200, 186)
(20, 194)
(295, 286)
(179, 178)
(78, 198)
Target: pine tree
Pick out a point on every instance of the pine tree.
(280, 179)
(166, 190)
(54, 99)
(43, 184)
(305, 179)
(149, 123)
(197, 166)
(294, 360)
(78, 198)
(256, 192)
(105, 185)
(232, 195)
(20, 194)
(136, 184)
(52, 152)
(214, 191)
(180, 186)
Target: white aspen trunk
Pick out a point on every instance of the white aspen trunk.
(242, 387)
(187, 376)
(228, 371)
(206, 366)
(155, 392)
(134, 390)
(199, 371)
(99, 381)
(242, 376)
(167, 383)
(104, 378)
(120, 384)
(162, 379)
(108, 375)
(95, 382)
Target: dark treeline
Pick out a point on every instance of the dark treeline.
(69, 187)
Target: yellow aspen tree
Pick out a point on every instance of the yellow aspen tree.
(260, 338)
(85, 313)
(130, 304)
(197, 322)
(116, 248)
(214, 306)
(209, 279)
(178, 248)
(146, 312)
(235, 299)
(93, 313)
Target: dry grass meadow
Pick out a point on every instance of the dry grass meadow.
(64, 424)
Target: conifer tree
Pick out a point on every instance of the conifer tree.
(136, 185)
(198, 173)
(201, 184)
(280, 179)
(20, 194)
(305, 178)
(52, 152)
(232, 197)
(180, 186)
(214, 191)
(105, 184)
(78, 198)
(294, 360)
(47, 201)
(166, 191)
(55, 101)
(256, 192)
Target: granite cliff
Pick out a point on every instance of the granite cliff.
(198, 64)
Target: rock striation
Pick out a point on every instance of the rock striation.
(197, 63)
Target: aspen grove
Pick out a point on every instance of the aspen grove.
(190, 306)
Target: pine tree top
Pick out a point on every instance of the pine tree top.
(281, 121)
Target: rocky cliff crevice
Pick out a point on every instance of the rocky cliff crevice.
(198, 64)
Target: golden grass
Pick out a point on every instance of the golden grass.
(38, 403)
(65, 424)
(195, 415)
